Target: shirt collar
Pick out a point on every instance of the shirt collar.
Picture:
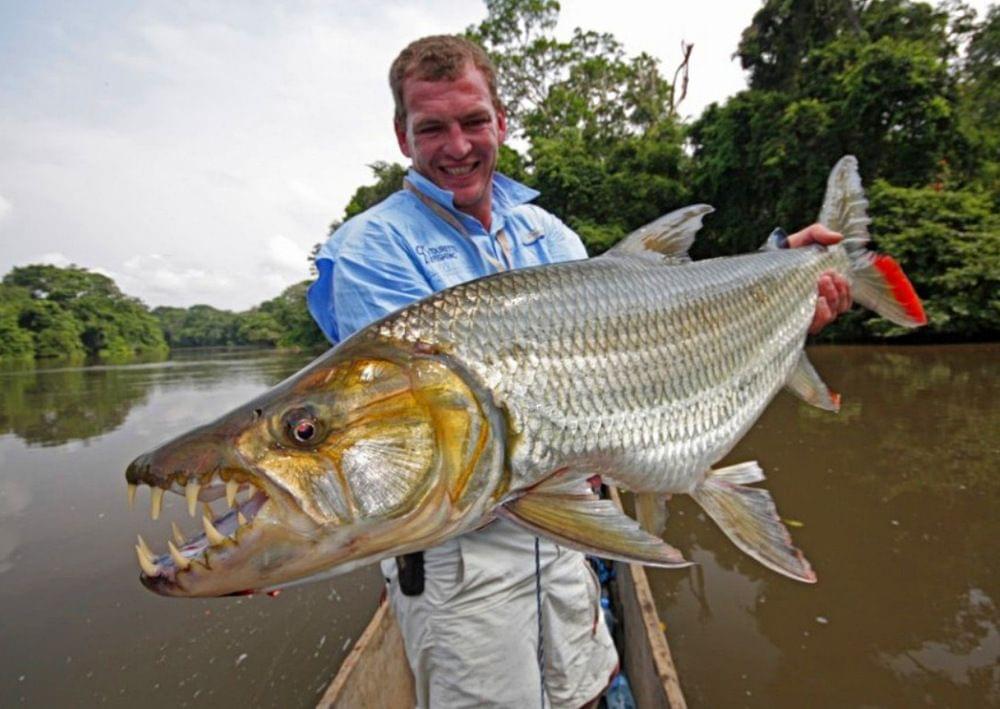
(507, 193)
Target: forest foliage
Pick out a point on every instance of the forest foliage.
(48, 312)
(911, 89)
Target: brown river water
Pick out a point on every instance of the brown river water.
(894, 501)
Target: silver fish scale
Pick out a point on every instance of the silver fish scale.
(643, 372)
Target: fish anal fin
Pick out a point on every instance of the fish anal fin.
(747, 516)
(805, 383)
(583, 521)
(668, 238)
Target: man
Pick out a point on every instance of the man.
(471, 624)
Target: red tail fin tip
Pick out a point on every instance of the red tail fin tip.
(902, 289)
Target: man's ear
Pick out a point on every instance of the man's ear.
(400, 128)
(501, 126)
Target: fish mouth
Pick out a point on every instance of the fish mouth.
(204, 469)
(222, 533)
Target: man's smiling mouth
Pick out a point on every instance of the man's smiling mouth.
(458, 171)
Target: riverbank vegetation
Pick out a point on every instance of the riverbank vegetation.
(912, 90)
(75, 315)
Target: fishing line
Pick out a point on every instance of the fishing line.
(538, 606)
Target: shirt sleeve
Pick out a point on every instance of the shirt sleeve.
(364, 274)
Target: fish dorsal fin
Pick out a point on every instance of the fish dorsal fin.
(577, 518)
(805, 383)
(845, 208)
(668, 238)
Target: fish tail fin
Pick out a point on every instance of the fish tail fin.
(747, 516)
(879, 283)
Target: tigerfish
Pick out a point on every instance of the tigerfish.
(501, 397)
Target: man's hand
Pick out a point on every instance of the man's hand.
(834, 292)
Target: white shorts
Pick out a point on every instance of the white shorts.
(472, 636)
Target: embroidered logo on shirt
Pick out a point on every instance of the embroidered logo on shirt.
(532, 236)
(433, 254)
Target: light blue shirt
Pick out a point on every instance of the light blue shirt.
(402, 249)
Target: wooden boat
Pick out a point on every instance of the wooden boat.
(375, 675)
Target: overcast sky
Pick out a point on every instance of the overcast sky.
(195, 151)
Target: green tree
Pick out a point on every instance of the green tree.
(297, 328)
(72, 312)
(388, 179)
(873, 79)
(981, 101)
(198, 326)
(16, 342)
(604, 149)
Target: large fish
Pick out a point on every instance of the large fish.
(502, 396)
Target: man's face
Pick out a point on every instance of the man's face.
(452, 135)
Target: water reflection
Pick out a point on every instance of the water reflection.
(896, 500)
(50, 407)
(78, 629)
(896, 505)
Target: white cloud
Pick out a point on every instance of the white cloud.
(286, 255)
(163, 281)
(52, 258)
(5, 208)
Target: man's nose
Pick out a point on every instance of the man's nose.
(458, 145)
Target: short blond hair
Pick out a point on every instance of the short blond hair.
(440, 57)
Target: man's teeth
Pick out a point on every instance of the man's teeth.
(457, 171)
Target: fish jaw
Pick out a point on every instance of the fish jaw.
(401, 454)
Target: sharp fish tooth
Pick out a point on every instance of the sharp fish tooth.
(180, 561)
(213, 534)
(191, 492)
(145, 547)
(131, 495)
(156, 502)
(206, 511)
(240, 518)
(146, 563)
(178, 537)
(231, 487)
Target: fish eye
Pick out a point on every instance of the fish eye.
(302, 427)
(303, 431)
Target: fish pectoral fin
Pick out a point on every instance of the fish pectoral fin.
(805, 383)
(651, 511)
(747, 516)
(583, 521)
